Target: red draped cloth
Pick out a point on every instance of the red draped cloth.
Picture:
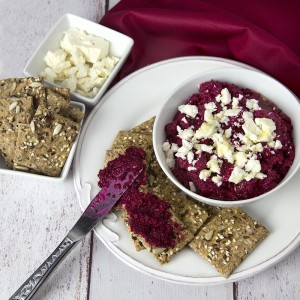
(261, 33)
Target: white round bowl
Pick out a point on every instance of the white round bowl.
(256, 81)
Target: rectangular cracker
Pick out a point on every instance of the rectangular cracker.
(7, 141)
(64, 92)
(13, 111)
(41, 146)
(144, 128)
(23, 87)
(227, 238)
(57, 102)
(163, 255)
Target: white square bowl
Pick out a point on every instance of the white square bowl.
(64, 173)
(119, 45)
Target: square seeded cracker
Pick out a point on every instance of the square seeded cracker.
(45, 143)
(227, 238)
(13, 111)
(163, 255)
(57, 102)
(23, 87)
(64, 92)
(145, 127)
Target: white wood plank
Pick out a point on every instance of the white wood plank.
(276, 283)
(114, 280)
(35, 216)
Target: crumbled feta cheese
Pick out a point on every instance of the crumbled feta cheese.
(213, 164)
(237, 175)
(225, 96)
(228, 132)
(166, 146)
(210, 106)
(186, 134)
(252, 104)
(174, 147)
(81, 64)
(190, 157)
(240, 159)
(217, 180)
(232, 112)
(185, 148)
(253, 166)
(189, 110)
(206, 130)
(191, 168)
(235, 101)
(170, 162)
(206, 148)
(278, 144)
(204, 174)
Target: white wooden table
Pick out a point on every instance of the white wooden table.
(35, 215)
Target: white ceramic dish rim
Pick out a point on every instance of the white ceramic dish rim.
(65, 171)
(179, 279)
(160, 156)
(101, 91)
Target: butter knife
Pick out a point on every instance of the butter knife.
(99, 207)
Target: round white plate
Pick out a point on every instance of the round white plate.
(135, 99)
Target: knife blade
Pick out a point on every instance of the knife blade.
(96, 210)
(101, 205)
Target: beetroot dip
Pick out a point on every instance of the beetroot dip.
(229, 143)
(148, 216)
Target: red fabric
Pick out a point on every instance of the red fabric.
(261, 33)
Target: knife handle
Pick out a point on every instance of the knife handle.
(32, 284)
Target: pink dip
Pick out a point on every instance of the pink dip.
(275, 163)
(149, 216)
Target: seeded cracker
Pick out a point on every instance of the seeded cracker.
(57, 103)
(192, 214)
(23, 87)
(163, 255)
(64, 92)
(45, 143)
(12, 112)
(126, 139)
(144, 128)
(227, 239)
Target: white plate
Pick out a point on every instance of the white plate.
(135, 99)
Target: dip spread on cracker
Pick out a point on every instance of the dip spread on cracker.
(229, 143)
